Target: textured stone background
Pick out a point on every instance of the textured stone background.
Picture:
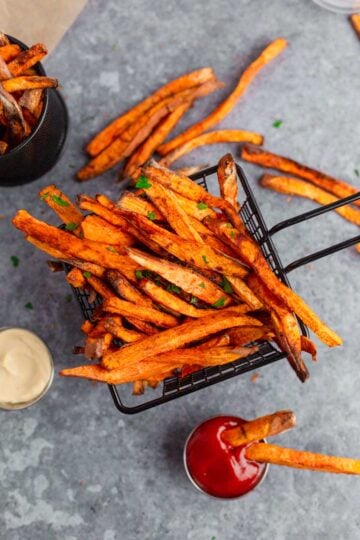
(72, 467)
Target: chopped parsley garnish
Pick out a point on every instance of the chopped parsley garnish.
(226, 285)
(219, 303)
(232, 234)
(44, 196)
(173, 288)
(204, 258)
(87, 274)
(202, 285)
(143, 182)
(277, 123)
(201, 205)
(151, 215)
(357, 172)
(228, 225)
(111, 248)
(138, 274)
(59, 201)
(29, 305)
(68, 298)
(71, 226)
(15, 261)
(193, 300)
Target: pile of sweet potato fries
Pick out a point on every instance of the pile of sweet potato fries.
(140, 132)
(21, 91)
(181, 280)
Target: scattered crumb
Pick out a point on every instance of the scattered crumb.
(254, 377)
(289, 199)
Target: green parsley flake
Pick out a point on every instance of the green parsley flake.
(15, 261)
(204, 258)
(357, 172)
(111, 248)
(151, 215)
(138, 274)
(173, 288)
(87, 274)
(219, 303)
(202, 285)
(232, 234)
(29, 305)
(71, 226)
(277, 123)
(143, 182)
(44, 196)
(68, 298)
(228, 225)
(193, 300)
(201, 205)
(226, 286)
(59, 201)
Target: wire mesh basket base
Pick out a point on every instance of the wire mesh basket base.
(267, 353)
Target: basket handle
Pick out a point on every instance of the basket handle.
(309, 215)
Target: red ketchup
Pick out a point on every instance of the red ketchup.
(215, 466)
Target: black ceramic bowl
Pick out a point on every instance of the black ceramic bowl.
(38, 153)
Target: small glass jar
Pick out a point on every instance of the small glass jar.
(340, 6)
(48, 367)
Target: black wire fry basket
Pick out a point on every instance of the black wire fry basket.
(175, 387)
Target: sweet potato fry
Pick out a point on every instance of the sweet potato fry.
(114, 326)
(260, 428)
(157, 137)
(222, 110)
(299, 459)
(173, 338)
(113, 130)
(137, 132)
(309, 346)
(143, 326)
(98, 229)
(18, 84)
(76, 278)
(254, 154)
(244, 292)
(62, 206)
(355, 21)
(13, 115)
(99, 286)
(4, 70)
(250, 253)
(194, 209)
(192, 169)
(46, 248)
(294, 186)
(246, 334)
(3, 147)
(126, 290)
(128, 309)
(31, 99)
(131, 202)
(4, 40)
(211, 137)
(74, 247)
(186, 187)
(27, 59)
(189, 280)
(9, 52)
(158, 367)
(227, 178)
(169, 300)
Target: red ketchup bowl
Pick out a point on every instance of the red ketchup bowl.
(217, 468)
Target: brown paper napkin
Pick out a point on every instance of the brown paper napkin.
(34, 21)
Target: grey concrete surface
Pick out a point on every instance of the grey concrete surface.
(72, 467)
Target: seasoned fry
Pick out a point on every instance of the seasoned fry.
(62, 206)
(4, 70)
(114, 326)
(244, 292)
(137, 132)
(9, 52)
(27, 59)
(227, 178)
(193, 169)
(173, 338)
(355, 21)
(254, 154)
(211, 137)
(126, 290)
(128, 309)
(99, 230)
(189, 280)
(250, 253)
(157, 137)
(309, 346)
(3, 147)
(18, 84)
(76, 278)
(299, 459)
(222, 110)
(31, 100)
(260, 428)
(113, 130)
(131, 202)
(13, 114)
(246, 334)
(294, 186)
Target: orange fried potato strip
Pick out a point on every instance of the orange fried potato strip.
(98, 229)
(227, 178)
(27, 59)
(62, 206)
(9, 51)
(260, 428)
(18, 84)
